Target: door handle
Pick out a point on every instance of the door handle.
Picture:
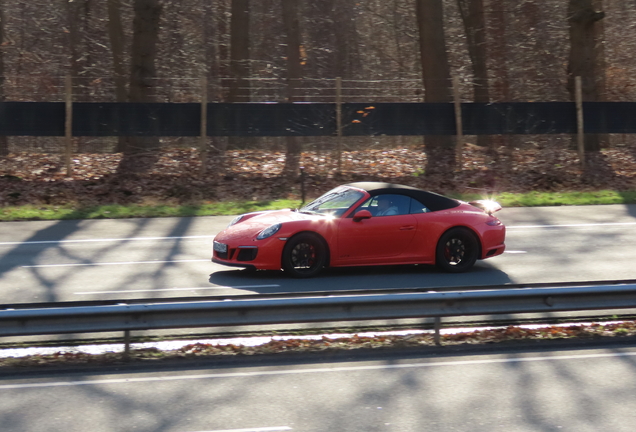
(407, 228)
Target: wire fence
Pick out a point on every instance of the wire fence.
(47, 88)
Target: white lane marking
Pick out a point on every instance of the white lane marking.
(515, 252)
(262, 429)
(315, 370)
(114, 263)
(176, 289)
(125, 239)
(571, 225)
(128, 239)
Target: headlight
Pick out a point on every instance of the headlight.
(235, 220)
(268, 232)
(493, 222)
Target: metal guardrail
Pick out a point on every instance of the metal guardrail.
(122, 317)
(307, 294)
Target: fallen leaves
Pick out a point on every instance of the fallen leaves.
(286, 345)
(248, 174)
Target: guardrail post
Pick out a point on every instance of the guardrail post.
(438, 326)
(126, 345)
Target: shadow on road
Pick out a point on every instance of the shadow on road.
(361, 278)
(45, 239)
(59, 243)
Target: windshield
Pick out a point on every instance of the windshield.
(335, 202)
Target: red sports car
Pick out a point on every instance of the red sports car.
(361, 224)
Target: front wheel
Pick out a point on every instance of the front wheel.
(304, 256)
(457, 250)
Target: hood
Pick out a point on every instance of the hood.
(255, 224)
(271, 217)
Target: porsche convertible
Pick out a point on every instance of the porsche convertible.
(363, 224)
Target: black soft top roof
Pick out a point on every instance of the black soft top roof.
(431, 200)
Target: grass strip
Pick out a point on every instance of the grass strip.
(119, 211)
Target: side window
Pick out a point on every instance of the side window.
(371, 204)
(387, 205)
(417, 207)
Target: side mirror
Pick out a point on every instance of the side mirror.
(362, 214)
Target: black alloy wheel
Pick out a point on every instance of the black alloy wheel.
(304, 255)
(457, 250)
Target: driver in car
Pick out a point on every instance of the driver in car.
(386, 207)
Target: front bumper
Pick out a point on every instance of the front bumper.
(266, 255)
(231, 264)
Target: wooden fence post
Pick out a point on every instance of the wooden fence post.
(580, 129)
(203, 140)
(458, 123)
(68, 126)
(339, 122)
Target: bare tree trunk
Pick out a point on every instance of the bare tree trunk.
(116, 37)
(332, 39)
(440, 150)
(240, 51)
(74, 21)
(348, 62)
(584, 56)
(76, 15)
(294, 74)
(600, 66)
(4, 142)
(214, 30)
(224, 45)
(501, 82)
(472, 13)
(500, 89)
(141, 153)
(599, 49)
(239, 59)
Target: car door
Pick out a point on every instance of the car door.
(378, 238)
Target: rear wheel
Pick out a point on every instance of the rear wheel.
(304, 255)
(457, 250)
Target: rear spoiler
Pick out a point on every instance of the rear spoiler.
(487, 206)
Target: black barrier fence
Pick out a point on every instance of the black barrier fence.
(312, 119)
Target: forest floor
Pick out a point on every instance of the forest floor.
(38, 179)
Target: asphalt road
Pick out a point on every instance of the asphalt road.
(575, 390)
(170, 257)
